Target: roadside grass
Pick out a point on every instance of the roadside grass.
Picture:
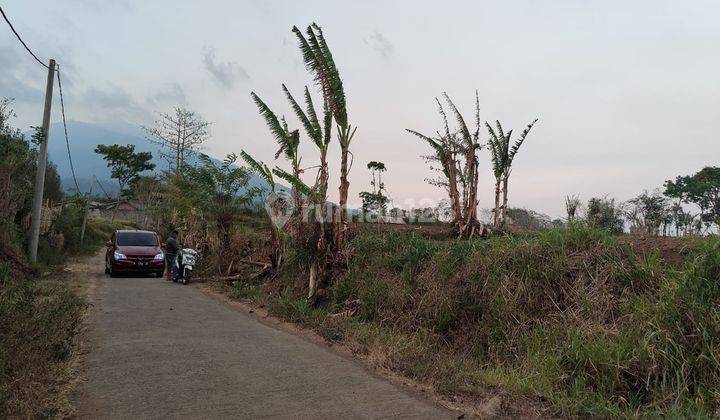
(39, 318)
(243, 291)
(573, 317)
(40, 313)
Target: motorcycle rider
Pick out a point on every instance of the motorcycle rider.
(172, 247)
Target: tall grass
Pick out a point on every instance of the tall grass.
(575, 316)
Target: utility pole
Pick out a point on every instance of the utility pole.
(41, 164)
(86, 211)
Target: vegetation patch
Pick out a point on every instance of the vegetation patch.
(39, 318)
(574, 316)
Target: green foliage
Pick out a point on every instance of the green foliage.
(502, 149)
(375, 201)
(648, 212)
(319, 61)
(287, 140)
(18, 166)
(572, 204)
(259, 168)
(529, 219)
(218, 191)
(125, 165)
(298, 311)
(604, 213)
(701, 189)
(296, 182)
(310, 120)
(243, 291)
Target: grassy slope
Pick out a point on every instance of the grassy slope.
(575, 317)
(39, 318)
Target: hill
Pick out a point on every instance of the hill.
(84, 137)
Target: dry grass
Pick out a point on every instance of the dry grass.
(39, 318)
(40, 315)
(575, 320)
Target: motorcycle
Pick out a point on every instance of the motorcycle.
(183, 267)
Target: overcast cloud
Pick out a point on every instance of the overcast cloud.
(627, 93)
(225, 73)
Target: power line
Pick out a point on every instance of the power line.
(62, 101)
(21, 40)
(101, 187)
(67, 141)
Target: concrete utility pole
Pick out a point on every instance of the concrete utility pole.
(41, 164)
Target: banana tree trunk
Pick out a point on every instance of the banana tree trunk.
(278, 242)
(472, 200)
(340, 219)
(505, 209)
(318, 266)
(453, 191)
(297, 196)
(496, 216)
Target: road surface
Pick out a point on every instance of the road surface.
(156, 349)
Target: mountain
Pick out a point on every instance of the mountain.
(84, 137)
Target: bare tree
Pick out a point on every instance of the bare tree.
(181, 134)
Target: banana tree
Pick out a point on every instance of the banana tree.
(288, 142)
(502, 155)
(572, 203)
(321, 135)
(274, 203)
(457, 154)
(319, 62)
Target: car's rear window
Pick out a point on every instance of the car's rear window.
(137, 239)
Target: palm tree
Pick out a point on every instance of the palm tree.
(319, 62)
(502, 155)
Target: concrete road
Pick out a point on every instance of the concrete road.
(161, 350)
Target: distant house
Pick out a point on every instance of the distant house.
(122, 210)
(128, 206)
(393, 220)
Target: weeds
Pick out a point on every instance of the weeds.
(572, 315)
(38, 320)
(243, 291)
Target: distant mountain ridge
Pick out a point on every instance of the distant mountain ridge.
(84, 137)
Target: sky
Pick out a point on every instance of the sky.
(627, 93)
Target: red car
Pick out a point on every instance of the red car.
(134, 252)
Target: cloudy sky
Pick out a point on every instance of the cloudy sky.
(627, 93)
